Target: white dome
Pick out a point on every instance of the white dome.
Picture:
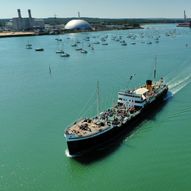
(77, 25)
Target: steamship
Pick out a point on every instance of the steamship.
(90, 134)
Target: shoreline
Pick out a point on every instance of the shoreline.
(24, 34)
(16, 34)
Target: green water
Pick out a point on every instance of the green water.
(36, 107)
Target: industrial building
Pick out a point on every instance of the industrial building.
(26, 24)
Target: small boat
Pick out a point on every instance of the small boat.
(74, 45)
(65, 55)
(87, 39)
(84, 51)
(58, 39)
(123, 43)
(39, 49)
(28, 46)
(97, 42)
(78, 49)
(59, 51)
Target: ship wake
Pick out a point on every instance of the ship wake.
(177, 83)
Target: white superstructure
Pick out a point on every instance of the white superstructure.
(140, 96)
(133, 98)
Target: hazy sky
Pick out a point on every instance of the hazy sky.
(97, 8)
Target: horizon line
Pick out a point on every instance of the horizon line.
(104, 17)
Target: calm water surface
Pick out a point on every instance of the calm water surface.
(36, 107)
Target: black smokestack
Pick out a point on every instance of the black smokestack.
(29, 13)
(19, 13)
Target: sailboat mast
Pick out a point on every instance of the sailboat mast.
(98, 99)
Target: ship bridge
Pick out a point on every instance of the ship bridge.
(134, 98)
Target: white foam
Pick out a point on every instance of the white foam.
(178, 83)
(68, 154)
(180, 87)
(175, 83)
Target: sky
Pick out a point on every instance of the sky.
(97, 8)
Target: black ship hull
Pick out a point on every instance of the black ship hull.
(84, 145)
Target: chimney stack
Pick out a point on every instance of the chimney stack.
(19, 13)
(29, 13)
(78, 14)
(185, 17)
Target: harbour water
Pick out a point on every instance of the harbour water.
(42, 93)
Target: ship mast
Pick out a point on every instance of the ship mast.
(98, 99)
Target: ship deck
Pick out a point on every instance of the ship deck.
(115, 116)
(86, 127)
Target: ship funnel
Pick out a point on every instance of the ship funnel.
(19, 13)
(29, 13)
(149, 85)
